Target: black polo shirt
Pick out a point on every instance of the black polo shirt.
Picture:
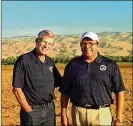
(91, 83)
(36, 79)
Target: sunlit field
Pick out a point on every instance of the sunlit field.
(10, 106)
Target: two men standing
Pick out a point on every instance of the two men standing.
(88, 81)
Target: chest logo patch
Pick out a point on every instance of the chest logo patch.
(103, 67)
(51, 68)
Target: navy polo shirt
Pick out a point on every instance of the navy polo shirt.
(91, 83)
(36, 79)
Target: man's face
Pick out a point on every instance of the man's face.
(89, 47)
(45, 45)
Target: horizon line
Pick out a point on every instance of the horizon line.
(67, 34)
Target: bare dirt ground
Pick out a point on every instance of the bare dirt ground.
(10, 107)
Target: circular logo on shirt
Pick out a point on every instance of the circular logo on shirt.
(51, 68)
(103, 68)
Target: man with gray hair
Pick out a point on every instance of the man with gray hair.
(34, 78)
(89, 81)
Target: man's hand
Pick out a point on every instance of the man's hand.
(117, 122)
(64, 120)
(28, 109)
(22, 100)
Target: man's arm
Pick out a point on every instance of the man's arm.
(119, 106)
(118, 88)
(21, 99)
(65, 89)
(64, 103)
(57, 77)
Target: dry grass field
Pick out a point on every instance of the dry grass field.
(111, 43)
(10, 107)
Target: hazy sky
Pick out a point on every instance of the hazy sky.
(65, 17)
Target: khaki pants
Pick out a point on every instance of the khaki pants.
(86, 117)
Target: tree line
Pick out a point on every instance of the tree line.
(64, 59)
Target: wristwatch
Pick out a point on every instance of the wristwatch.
(119, 120)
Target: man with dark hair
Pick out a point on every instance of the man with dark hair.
(34, 78)
(89, 81)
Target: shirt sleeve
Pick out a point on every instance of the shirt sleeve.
(57, 77)
(67, 80)
(117, 81)
(18, 73)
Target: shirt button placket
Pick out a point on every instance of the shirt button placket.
(44, 74)
(88, 69)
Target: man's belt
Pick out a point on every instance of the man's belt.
(95, 106)
(44, 103)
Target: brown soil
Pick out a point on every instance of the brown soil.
(11, 108)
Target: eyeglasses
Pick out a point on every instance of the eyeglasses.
(88, 43)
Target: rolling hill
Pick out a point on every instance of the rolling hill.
(111, 44)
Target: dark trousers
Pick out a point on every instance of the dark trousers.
(42, 115)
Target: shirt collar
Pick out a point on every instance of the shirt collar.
(34, 56)
(98, 59)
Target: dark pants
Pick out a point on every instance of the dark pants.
(42, 115)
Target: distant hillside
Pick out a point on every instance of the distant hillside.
(111, 43)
